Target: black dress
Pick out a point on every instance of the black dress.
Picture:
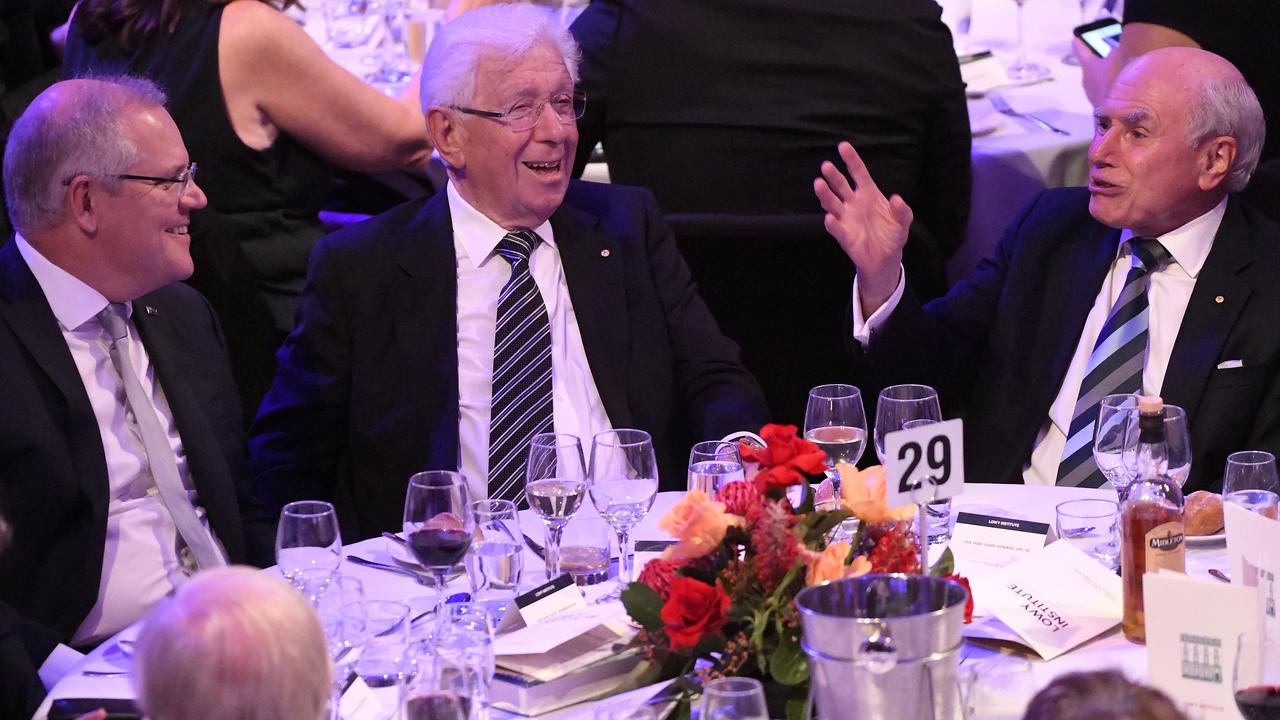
(251, 244)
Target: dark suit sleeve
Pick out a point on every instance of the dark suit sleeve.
(23, 646)
(299, 437)
(721, 396)
(595, 31)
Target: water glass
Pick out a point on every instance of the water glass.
(585, 551)
(1090, 525)
(555, 485)
(464, 640)
(623, 480)
(435, 689)
(1111, 437)
(733, 698)
(900, 404)
(381, 661)
(1022, 68)
(714, 464)
(1250, 481)
(937, 513)
(307, 538)
(496, 556)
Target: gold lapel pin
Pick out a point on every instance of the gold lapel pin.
(604, 253)
(1219, 299)
(151, 310)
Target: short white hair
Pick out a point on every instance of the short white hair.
(233, 643)
(501, 32)
(1228, 106)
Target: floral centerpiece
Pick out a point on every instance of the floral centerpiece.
(721, 601)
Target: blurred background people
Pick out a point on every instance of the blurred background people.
(233, 643)
(1106, 695)
(267, 114)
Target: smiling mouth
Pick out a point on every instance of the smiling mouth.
(544, 168)
(1098, 185)
(179, 230)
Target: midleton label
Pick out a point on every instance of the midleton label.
(1165, 548)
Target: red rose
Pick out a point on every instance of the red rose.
(968, 606)
(786, 458)
(694, 609)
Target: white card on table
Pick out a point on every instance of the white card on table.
(929, 454)
(555, 596)
(555, 629)
(1192, 626)
(359, 703)
(1253, 552)
(982, 543)
(1055, 598)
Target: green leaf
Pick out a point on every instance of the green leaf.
(822, 524)
(788, 665)
(795, 709)
(644, 605)
(946, 565)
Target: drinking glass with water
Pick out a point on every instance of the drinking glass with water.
(496, 557)
(712, 465)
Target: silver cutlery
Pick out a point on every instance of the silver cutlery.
(422, 579)
(1002, 106)
(105, 673)
(396, 538)
(1220, 575)
(535, 547)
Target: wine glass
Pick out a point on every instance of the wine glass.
(714, 464)
(900, 404)
(1250, 481)
(496, 556)
(438, 523)
(437, 689)
(555, 483)
(835, 419)
(1256, 677)
(733, 698)
(307, 538)
(394, 67)
(1022, 68)
(623, 480)
(464, 640)
(1177, 438)
(1110, 433)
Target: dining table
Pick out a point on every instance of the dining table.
(1109, 650)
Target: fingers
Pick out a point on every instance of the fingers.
(901, 211)
(836, 181)
(826, 198)
(857, 169)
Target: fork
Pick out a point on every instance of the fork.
(1002, 106)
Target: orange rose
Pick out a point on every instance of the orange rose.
(699, 523)
(863, 492)
(829, 565)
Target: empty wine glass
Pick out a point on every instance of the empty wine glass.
(1022, 68)
(496, 556)
(1250, 481)
(623, 481)
(733, 698)
(1256, 676)
(835, 419)
(307, 538)
(714, 464)
(1110, 433)
(555, 484)
(438, 523)
(1177, 438)
(900, 404)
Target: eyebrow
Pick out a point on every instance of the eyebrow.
(1133, 117)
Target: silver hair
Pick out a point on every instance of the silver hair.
(53, 141)
(501, 32)
(1228, 106)
(233, 643)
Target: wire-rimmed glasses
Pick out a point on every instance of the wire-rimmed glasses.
(524, 114)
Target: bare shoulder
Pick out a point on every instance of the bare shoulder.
(253, 29)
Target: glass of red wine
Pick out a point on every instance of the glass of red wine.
(438, 523)
(1257, 676)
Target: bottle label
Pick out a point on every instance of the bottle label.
(1165, 548)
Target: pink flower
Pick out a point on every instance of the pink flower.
(699, 523)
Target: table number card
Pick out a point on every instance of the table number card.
(1192, 626)
(933, 454)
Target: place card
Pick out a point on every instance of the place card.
(554, 630)
(555, 596)
(1253, 553)
(981, 72)
(358, 702)
(1192, 625)
(1054, 598)
(931, 454)
(982, 543)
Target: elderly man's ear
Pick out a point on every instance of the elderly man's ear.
(1216, 157)
(447, 135)
(81, 205)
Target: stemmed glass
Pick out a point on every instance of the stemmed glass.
(307, 539)
(714, 464)
(733, 698)
(438, 523)
(623, 481)
(900, 404)
(1110, 434)
(1250, 481)
(555, 483)
(464, 640)
(1256, 676)
(436, 689)
(394, 64)
(835, 419)
(1022, 68)
(1177, 438)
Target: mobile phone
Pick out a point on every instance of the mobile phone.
(117, 708)
(1102, 35)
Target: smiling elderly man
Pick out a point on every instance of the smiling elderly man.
(1155, 278)
(444, 333)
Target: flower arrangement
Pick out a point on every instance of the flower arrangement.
(721, 601)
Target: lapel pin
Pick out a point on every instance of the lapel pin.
(604, 253)
(152, 311)
(1219, 299)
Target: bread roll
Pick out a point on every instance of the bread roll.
(1204, 513)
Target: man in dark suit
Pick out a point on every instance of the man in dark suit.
(414, 349)
(730, 107)
(1154, 278)
(120, 439)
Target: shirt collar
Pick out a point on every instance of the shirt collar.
(71, 300)
(1190, 244)
(478, 235)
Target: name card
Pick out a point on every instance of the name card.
(555, 630)
(358, 702)
(982, 543)
(1192, 626)
(1253, 552)
(555, 596)
(931, 454)
(1053, 598)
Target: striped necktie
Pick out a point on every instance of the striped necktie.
(521, 405)
(1115, 366)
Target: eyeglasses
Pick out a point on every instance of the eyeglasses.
(164, 183)
(522, 116)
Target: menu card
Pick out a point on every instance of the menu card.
(1253, 552)
(987, 542)
(1192, 625)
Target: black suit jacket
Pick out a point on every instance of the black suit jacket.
(730, 107)
(53, 474)
(998, 345)
(366, 390)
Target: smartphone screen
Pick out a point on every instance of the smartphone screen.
(1102, 36)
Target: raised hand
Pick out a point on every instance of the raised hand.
(871, 229)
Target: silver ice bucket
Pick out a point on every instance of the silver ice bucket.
(883, 646)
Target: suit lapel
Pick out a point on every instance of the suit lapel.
(593, 270)
(1221, 291)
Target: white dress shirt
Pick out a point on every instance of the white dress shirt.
(1167, 297)
(482, 273)
(141, 563)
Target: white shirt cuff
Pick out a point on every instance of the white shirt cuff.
(864, 327)
(59, 664)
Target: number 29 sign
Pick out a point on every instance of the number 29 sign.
(924, 456)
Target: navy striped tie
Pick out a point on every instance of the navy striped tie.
(1115, 366)
(521, 405)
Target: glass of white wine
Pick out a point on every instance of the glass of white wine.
(836, 421)
(899, 405)
(555, 485)
(623, 481)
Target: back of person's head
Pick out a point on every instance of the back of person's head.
(499, 32)
(233, 644)
(1106, 695)
(74, 127)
